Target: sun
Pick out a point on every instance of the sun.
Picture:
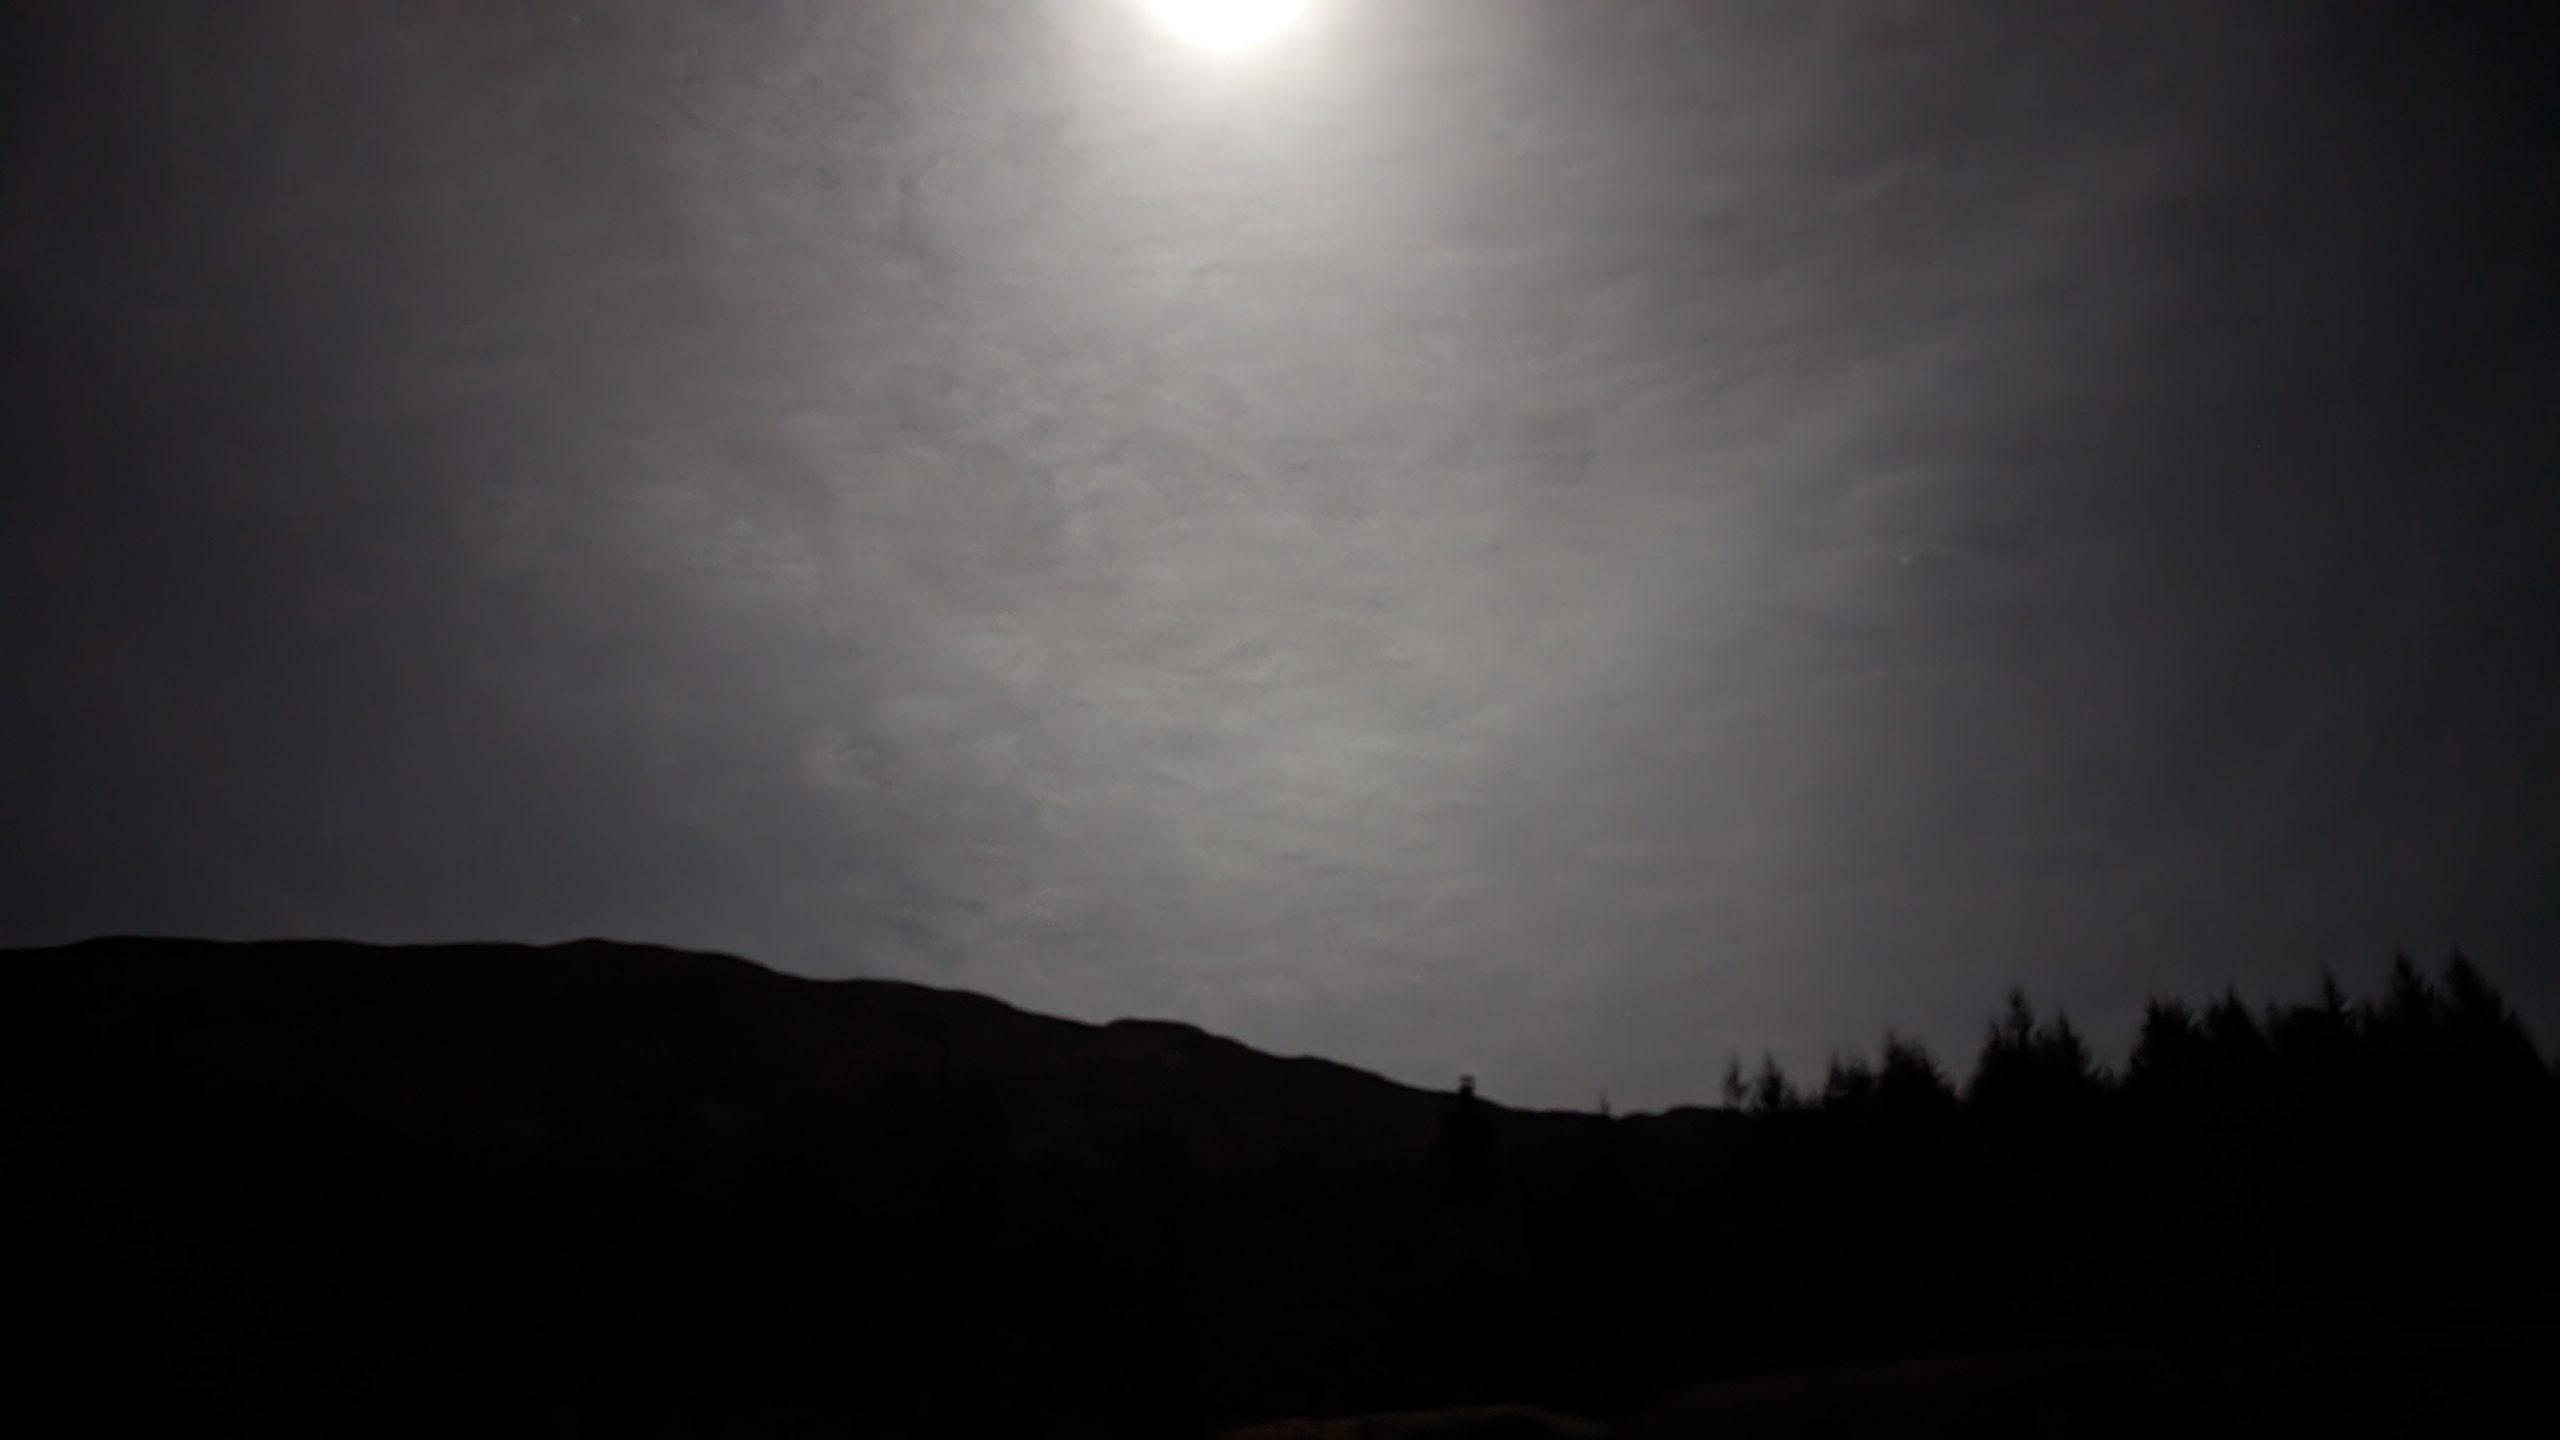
(1226, 24)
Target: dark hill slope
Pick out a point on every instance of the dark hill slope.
(285, 1182)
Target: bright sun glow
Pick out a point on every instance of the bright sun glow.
(1226, 24)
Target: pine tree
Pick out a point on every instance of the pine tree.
(1771, 1091)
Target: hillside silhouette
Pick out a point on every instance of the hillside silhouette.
(305, 1187)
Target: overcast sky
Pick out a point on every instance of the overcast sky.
(1558, 541)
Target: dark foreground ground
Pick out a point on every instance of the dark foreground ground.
(2456, 1385)
(328, 1189)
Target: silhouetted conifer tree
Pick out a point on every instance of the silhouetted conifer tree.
(1849, 1085)
(2032, 1068)
(2168, 1053)
(2484, 1033)
(1910, 1084)
(1771, 1091)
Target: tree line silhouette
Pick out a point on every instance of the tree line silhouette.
(2320, 1168)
